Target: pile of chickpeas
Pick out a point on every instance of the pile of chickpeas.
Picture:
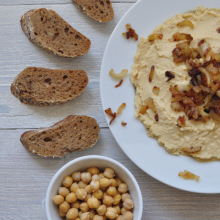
(93, 195)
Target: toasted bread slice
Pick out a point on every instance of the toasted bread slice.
(100, 10)
(74, 133)
(41, 86)
(49, 31)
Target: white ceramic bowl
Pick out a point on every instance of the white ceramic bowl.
(83, 163)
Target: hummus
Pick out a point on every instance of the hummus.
(159, 54)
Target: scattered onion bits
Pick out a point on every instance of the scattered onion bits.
(188, 175)
(122, 74)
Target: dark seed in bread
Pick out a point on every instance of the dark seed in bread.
(49, 31)
(42, 87)
(100, 10)
(74, 133)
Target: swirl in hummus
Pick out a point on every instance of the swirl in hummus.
(176, 74)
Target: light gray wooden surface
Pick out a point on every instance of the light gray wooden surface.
(24, 177)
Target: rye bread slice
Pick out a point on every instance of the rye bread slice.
(74, 133)
(51, 32)
(42, 87)
(100, 10)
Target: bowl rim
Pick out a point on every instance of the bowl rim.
(139, 194)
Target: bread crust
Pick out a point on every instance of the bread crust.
(99, 10)
(74, 133)
(52, 36)
(43, 87)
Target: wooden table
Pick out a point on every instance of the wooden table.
(24, 177)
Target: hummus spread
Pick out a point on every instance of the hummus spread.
(159, 53)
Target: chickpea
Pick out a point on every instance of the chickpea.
(98, 217)
(88, 189)
(118, 209)
(87, 197)
(101, 210)
(75, 205)
(81, 194)
(103, 188)
(70, 198)
(80, 213)
(82, 185)
(120, 217)
(111, 213)
(86, 177)
(128, 204)
(85, 216)
(104, 182)
(93, 170)
(128, 216)
(123, 210)
(64, 207)
(111, 191)
(92, 214)
(125, 196)
(76, 176)
(58, 199)
(94, 185)
(72, 213)
(73, 187)
(63, 191)
(62, 214)
(93, 203)
(84, 207)
(96, 177)
(109, 173)
(118, 182)
(98, 194)
(113, 183)
(101, 175)
(108, 200)
(123, 188)
(77, 218)
(117, 199)
(68, 181)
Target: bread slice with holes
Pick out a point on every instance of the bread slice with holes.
(100, 10)
(51, 32)
(42, 86)
(74, 133)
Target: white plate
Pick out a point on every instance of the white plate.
(145, 152)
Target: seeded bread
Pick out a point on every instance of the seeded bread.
(74, 133)
(49, 31)
(100, 10)
(42, 87)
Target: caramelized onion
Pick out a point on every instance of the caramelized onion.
(152, 71)
(155, 37)
(143, 109)
(203, 48)
(215, 56)
(182, 36)
(156, 90)
(120, 108)
(181, 52)
(187, 175)
(122, 74)
(191, 149)
(185, 22)
(181, 121)
(206, 74)
(150, 103)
